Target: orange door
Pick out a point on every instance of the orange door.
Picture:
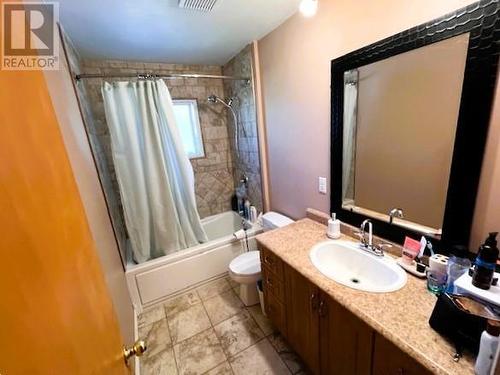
(56, 316)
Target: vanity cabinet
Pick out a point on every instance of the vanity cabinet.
(328, 337)
(345, 342)
(302, 300)
(274, 291)
(388, 359)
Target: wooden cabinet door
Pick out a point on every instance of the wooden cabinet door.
(346, 342)
(388, 359)
(302, 301)
(273, 303)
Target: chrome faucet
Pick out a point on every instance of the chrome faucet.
(395, 212)
(362, 229)
(244, 180)
(367, 244)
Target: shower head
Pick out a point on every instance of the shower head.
(215, 99)
(229, 104)
(212, 99)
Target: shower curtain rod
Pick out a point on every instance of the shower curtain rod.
(166, 76)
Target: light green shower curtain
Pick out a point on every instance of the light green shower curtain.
(349, 145)
(154, 174)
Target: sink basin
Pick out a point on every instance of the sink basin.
(347, 264)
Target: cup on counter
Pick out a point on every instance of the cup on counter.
(436, 281)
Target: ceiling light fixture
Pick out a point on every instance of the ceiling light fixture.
(308, 8)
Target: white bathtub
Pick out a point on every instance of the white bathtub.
(156, 279)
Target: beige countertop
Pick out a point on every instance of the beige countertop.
(401, 316)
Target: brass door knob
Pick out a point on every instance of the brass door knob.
(137, 349)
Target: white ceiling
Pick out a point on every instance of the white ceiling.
(158, 30)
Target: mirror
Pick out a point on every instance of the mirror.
(400, 120)
(410, 117)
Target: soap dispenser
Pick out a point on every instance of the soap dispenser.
(333, 227)
(485, 263)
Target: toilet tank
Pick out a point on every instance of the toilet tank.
(272, 220)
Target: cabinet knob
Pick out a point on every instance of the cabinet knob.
(269, 282)
(323, 309)
(268, 260)
(314, 301)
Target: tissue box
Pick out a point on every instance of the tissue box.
(464, 286)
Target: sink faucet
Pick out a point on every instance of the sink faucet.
(367, 244)
(395, 212)
(244, 180)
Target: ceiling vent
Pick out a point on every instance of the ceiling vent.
(201, 5)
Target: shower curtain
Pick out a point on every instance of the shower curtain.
(349, 144)
(154, 174)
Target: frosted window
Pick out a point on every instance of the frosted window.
(188, 121)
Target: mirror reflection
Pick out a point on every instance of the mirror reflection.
(400, 117)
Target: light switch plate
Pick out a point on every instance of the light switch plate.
(322, 185)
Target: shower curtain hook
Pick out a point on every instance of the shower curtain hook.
(146, 76)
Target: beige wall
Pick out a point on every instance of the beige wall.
(295, 71)
(407, 118)
(85, 173)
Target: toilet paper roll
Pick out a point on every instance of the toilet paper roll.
(239, 235)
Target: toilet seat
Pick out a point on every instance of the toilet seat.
(245, 268)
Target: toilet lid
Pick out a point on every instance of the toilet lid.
(246, 264)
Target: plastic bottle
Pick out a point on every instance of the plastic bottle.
(253, 214)
(246, 209)
(487, 349)
(333, 227)
(458, 264)
(485, 263)
(241, 194)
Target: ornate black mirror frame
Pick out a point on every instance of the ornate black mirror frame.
(481, 20)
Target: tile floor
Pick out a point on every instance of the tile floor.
(208, 330)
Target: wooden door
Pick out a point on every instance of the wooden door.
(346, 341)
(388, 359)
(56, 316)
(302, 301)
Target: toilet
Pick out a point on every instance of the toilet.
(245, 268)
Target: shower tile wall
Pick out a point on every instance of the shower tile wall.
(249, 163)
(213, 173)
(217, 173)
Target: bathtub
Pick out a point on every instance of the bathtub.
(155, 280)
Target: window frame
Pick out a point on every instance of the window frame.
(198, 124)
